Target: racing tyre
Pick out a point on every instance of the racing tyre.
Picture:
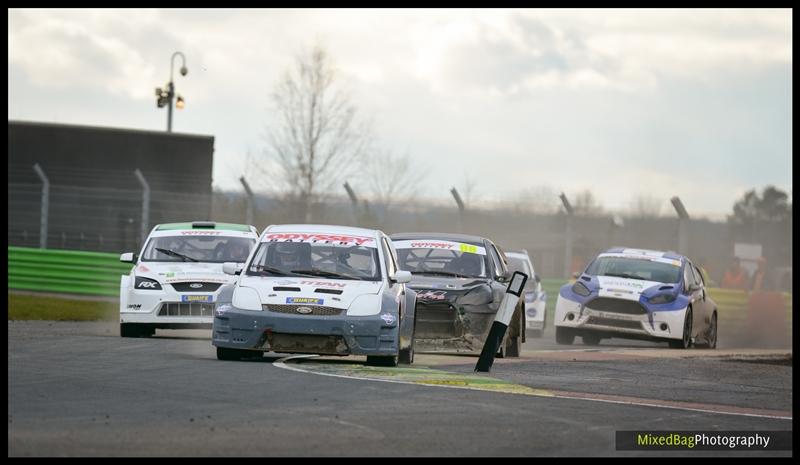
(501, 352)
(513, 347)
(686, 341)
(537, 333)
(711, 335)
(591, 339)
(382, 361)
(407, 355)
(224, 353)
(565, 336)
(135, 330)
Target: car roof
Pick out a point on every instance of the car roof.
(206, 225)
(515, 254)
(645, 252)
(322, 228)
(477, 240)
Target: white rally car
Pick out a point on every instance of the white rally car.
(535, 298)
(638, 294)
(177, 278)
(318, 289)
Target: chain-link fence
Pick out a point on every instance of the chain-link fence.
(111, 220)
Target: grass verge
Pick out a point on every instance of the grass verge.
(34, 307)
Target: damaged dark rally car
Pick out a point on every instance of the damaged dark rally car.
(460, 281)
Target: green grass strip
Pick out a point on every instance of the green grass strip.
(31, 307)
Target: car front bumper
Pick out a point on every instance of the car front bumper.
(311, 334)
(657, 325)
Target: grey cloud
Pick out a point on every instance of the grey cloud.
(501, 64)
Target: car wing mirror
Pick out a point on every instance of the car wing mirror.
(232, 268)
(402, 276)
(128, 257)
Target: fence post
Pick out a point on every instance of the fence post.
(250, 201)
(353, 200)
(145, 202)
(45, 206)
(461, 209)
(567, 236)
(683, 225)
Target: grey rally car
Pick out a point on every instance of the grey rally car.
(460, 281)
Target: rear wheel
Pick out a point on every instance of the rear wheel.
(711, 335)
(565, 336)
(686, 341)
(223, 353)
(382, 360)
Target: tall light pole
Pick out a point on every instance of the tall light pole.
(165, 96)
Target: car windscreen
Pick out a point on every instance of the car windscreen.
(200, 248)
(442, 258)
(636, 268)
(318, 259)
(518, 264)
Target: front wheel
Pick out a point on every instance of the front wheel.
(686, 341)
(564, 336)
(407, 355)
(591, 339)
(223, 353)
(135, 330)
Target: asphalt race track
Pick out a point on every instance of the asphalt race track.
(77, 389)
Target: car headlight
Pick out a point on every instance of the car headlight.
(581, 289)
(481, 295)
(662, 298)
(247, 298)
(146, 284)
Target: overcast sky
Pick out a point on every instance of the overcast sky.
(694, 103)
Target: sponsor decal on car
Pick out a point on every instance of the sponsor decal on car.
(388, 318)
(432, 295)
(444, 245)
(332, 239)
(134, 306)
(304, 300)
(323, 283)
(201, 233)
(197, 298)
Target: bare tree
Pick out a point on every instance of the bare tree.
(393, 177)
(536, 200)
(318, 140)
(586, 204)
(468, 189)
(646, 206)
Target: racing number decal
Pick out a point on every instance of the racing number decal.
(469, 248)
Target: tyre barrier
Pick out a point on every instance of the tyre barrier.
(67, 271)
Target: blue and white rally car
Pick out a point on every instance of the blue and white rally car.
(177, 278)
(637, 294)
(314, 289)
